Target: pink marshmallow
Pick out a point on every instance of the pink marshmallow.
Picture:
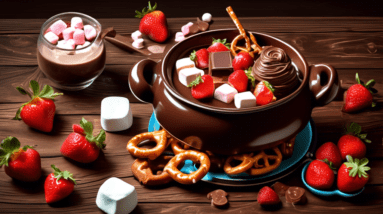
(68, 33)
(79, 37)
(136, 35)
(186, 28)
(76, 23)
(179, 37)
(58, 27)
(138, 43)
(70, 45)
(51, 37)
(90, 32)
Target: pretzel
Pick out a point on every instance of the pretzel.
(177, 146)
(142, 170)
(247, 163)
(259, 169)
(216, 162)
(160, 137)
(195, 156)
(239, 26)
(287, 148)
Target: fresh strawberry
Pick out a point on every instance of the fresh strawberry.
(23, 164)
(201, 58)
(202, 87)
(352, 144)
(329, 151)
(319, 175)
(238, 79)
(81, 145)
(267, 196)
(58, 185)
(153, 23)
(39, 112)
(242, 61)
(78, 129)
(218, 45)
(264, 93)
(359, 96)
(352, 175)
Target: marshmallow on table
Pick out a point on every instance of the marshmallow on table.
(51, 37)
(116, 196)
(116, 114)
(58, 27)
(225, 93)
(179, 37)
(138, 43)
(76, 22)
(70, 44)
(206, 17)
(68, 33)
(188, 75)
(79, 37)
(184, 63)
(244, 100)
(136, 35)
(186, 28)
(90, 32)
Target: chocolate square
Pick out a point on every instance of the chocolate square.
(220, 64)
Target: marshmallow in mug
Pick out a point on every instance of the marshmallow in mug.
(116, 114)
(70, 44)
(51, 37)
(58, 27)
(225, 93)
(244, 100)
(68, 33)
(79, 37)
(76, 23)
(90, 32)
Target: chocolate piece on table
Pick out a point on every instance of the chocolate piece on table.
(202, 26)
(218, 198)
(194, 28)
(280, 188)
(296, 195)
(220, 64)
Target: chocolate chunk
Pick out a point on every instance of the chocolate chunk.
(280, 188)
(218, 198)
(194, 29)
(296, 195)
(220, 64)
(202, 26)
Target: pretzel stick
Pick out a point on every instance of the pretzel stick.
(239, 26)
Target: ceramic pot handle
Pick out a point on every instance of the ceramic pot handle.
(324, 83)
(141, 73)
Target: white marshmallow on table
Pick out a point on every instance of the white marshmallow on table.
(186, 28)
(188, 75)
(138, 43)
(116, 196)
(90, 32)
(225, 93)
(206, 17)
(244, 100)
(116, 114)
(179, 37)
(83, 45)
(51, 37)
(58, 27)
(76, 22)
(68, 33)
(184, 63)
(136, 35)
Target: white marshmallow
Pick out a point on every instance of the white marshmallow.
(76, 22)
(116, 114)
(225, 93)
(179, 37)
(83, 45)
(138, 43)
(51, 37)
(70, 44)
(116, 196)
(206, 17)
(244, 100)
(188, 75)
(136, 35)
(184, 63)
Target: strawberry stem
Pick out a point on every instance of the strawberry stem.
(88, 131)
(357, 166)
(197, 81)
(223, 41)
(356, 129)
(66, 174)
(250, 76)
(146, 10)
(9, 146)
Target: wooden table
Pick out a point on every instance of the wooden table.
(351, 45)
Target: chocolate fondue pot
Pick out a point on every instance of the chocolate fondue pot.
(220, 128)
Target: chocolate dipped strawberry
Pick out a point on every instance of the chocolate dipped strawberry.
(39, 112)
(264, 93)
(81, 145)
(201, 58)
(319, 175)
(242, 61)
(352, 175)
(352, 144)
(202, 87)
(23, 164)
(58, 185)
(218, 46)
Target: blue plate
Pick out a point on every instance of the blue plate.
(326, 192)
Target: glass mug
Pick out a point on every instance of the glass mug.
(71, 69)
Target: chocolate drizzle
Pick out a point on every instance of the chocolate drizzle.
(274, 66)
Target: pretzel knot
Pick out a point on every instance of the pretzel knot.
(196, 157)
(177, 146)
(259, 169)
(160, 137)
(247, 163)
(250, 48)
(143, 170)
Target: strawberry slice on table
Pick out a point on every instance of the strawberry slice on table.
(201, 58)
(264, 93)
(153, 23)
(23, 164)
(218, 45)
(202, 87)
(352, 175)
(267, 196)
(58, 185)
(359, 96)
(242, 61)
(319, 175)
(352, 144)
(39, 112)
(81, 145)
(239, 80)
(330, 152)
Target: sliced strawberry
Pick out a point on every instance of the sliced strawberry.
(218, 45)
(242, 61)
(201, 58)
(264, 93)
(202, 87)
(239, 80)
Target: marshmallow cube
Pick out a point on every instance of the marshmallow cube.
(90, 32)
(186, 28)
(179, 37)
(116, 114)
(138, 43)
(116, 196)
(244, 100)
(184, 63)
(76, 23)
(83, 45)
(188, 75)
(58, 27)
(70, 44)
(68, 33)
(79, 37)
(136, 35)
(206, 17)
(51, 37)
(225, 93)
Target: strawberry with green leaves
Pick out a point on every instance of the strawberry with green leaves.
(352, 144)
(352, 175)
(264, 93)
(23, 164)
(218, 45)
(58, 185)
(81, 145)
(202, 87)
(39, 112)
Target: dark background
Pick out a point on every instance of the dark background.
(191, 8)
